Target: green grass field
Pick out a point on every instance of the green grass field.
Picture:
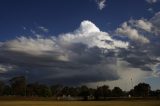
(79, 103)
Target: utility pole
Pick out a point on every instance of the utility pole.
(26, 72)
(131, 82)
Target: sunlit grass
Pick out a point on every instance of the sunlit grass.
(80, 103)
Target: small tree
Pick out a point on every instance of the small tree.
(18, 85)
(7, 90)
(42, 90)
(158, 93)
(1, 87)
(102, 92)
(56, 90)
(84, 92)
(142, 90)
(117, 92)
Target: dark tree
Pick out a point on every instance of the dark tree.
(31, 90)
(84, 92)
(36, 89)
(158, 93)
(7, 90)
(42, 90)
(92, 91)
(155, 93)
(117, 92)
(1, 88)
(74, 91)
(56, 90)
(18, 85)
(131, 92)
(142, 90)
(102, 92)
(65, 91)
(70, 91)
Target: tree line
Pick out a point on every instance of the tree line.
(18, 86)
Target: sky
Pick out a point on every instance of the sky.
(81, 42)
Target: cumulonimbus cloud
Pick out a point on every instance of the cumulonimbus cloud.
(76, 57)
(86, 55)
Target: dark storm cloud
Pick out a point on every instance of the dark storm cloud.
(141, 56)
(84, 67)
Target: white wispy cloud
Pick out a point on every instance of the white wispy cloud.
(144, 24)
(5, 68)
(101, 4)
(132, 33)
(43, 29)
(151, 10)
(155, 20)
(152, 1)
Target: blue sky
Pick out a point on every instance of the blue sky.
(69, 36)
(63, 16)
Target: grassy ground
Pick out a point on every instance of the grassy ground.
(79, 103)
